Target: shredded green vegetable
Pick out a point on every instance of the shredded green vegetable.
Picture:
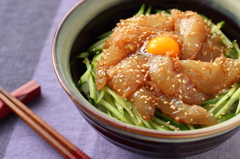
(224, 106)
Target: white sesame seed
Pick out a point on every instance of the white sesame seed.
(165, 102)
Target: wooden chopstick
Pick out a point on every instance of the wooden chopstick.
(54, 138)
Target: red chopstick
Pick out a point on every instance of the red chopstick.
(54, 138)
(25, 93)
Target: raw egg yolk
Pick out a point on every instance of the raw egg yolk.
(163, 45)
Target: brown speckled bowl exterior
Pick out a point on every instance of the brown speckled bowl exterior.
(90, 18)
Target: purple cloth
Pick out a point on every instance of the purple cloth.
(56, 108)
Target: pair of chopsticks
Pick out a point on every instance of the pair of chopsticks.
(54, 138)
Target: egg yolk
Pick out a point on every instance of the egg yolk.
(163, 45)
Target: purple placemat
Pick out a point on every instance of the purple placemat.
(55, 107)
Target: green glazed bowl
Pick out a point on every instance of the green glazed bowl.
(90, 18)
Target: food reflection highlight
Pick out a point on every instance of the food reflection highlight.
(189, 83)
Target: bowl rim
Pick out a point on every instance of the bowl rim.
(123, 127)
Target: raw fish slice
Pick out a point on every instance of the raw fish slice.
(185, 113)
(211, 49)
(144, 102)
(164, 74)
(125, 77)
(193, 29)
(211, 77)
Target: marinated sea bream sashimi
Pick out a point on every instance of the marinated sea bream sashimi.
(171, 63)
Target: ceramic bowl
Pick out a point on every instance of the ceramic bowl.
(90, 18)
